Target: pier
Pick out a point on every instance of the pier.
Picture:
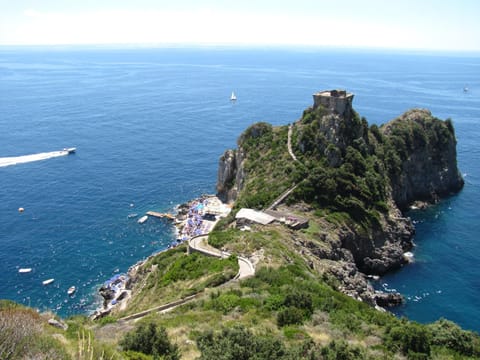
(161, 215)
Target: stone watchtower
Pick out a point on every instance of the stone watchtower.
(335, 101)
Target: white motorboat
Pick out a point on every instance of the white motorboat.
(71, 290)
(48, 281)
(70, 150)
(24, 270)
(143, 219)
(408, 256)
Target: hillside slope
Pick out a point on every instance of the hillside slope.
(310, 297)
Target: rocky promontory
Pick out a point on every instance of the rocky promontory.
(358, 178)
(428, 156)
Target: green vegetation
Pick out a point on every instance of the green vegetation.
(150, 339)
(345, 176)
(172, 275)
(24, 335)
(286, 311)
(266, 162)
(290, 308)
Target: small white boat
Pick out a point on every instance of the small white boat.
(143, 219)
(70, 150)
(24, 270)
(71, 290)
(233, 97)
(48, 281)
(408, 256)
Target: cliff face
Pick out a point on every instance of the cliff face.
(230, 175)
(427, 150)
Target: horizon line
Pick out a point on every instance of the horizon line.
(245, 46)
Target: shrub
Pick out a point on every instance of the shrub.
(151, 339)
(411, 339)
(341, 350)
(449, 334)
(289, 316)
(301, 300)
(238, 343)
(225, 302)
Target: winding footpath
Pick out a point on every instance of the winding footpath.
(285, 194)
(289, 143)
(198, 244)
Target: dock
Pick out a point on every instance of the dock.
(161, 215)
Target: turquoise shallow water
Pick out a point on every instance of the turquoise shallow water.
(150, 125)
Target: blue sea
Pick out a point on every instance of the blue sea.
(150, 124)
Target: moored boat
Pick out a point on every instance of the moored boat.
(143, 219)
(48, 281)
(24, 270)
(71, 290)
(408, 256)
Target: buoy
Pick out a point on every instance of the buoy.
(20, 209)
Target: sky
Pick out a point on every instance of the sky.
(446, 25)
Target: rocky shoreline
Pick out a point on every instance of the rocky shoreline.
(188, 219)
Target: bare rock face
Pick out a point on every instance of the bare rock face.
(428, 159)
(388, 299)
(380, 250)
(230, 176)
(57, 324)
(227, 171)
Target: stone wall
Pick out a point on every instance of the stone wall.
(337, 101)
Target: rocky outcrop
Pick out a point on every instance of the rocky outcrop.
(58, 324)
(382, 249)
(107, 294)
(428, 158)
(227, 172)
(230, 175)
(371, 174)
(388, 299)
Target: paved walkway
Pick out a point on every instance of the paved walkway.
(199, 243)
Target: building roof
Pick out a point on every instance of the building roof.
(255, 216)
(333, 93)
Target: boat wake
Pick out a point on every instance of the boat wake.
(14, 160)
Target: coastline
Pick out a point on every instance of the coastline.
(191, 219)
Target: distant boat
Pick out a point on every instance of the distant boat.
(465, 89)
(130, 216)
(70, 150)
(71, 290)
(48, 281)
(233, 97)
(142, 219)
(24, 270)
